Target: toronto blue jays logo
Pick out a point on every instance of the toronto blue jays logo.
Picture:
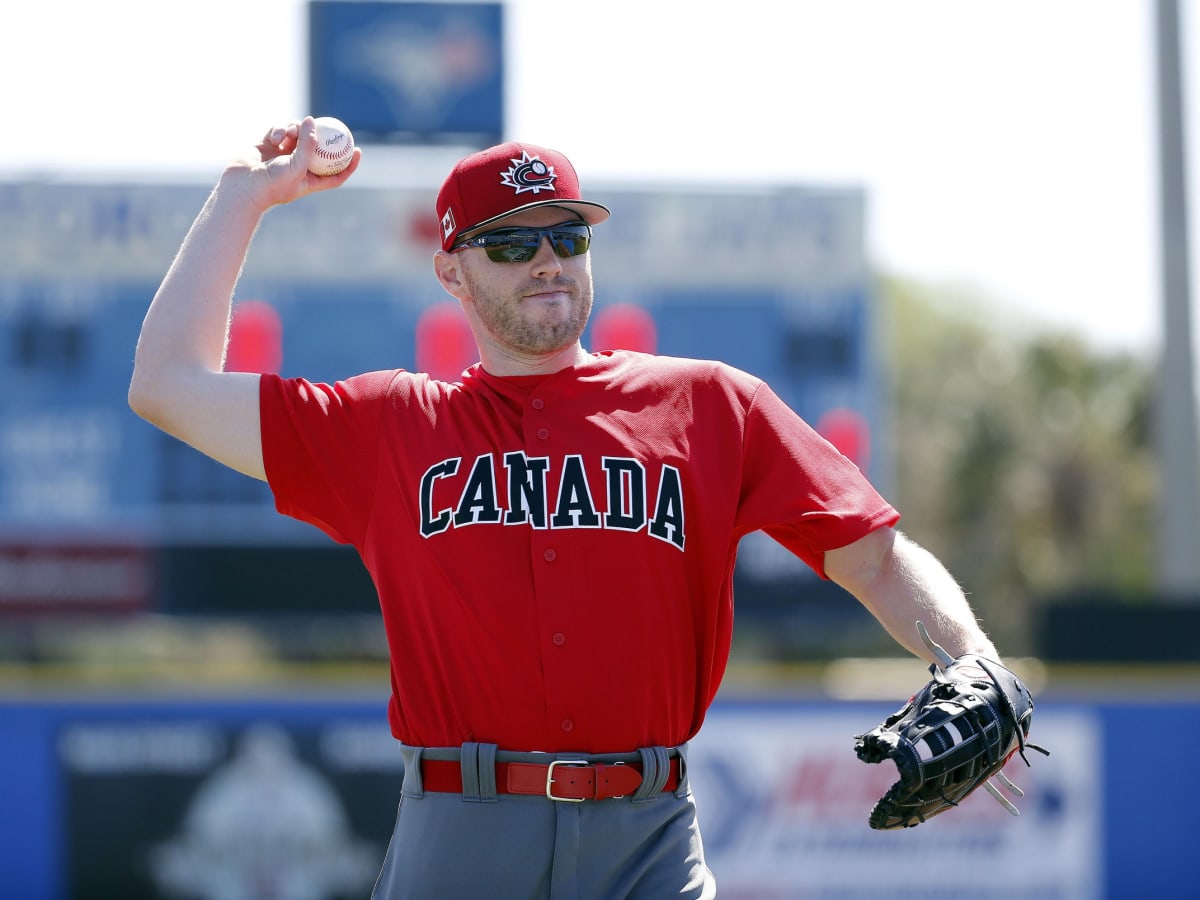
(529, 173)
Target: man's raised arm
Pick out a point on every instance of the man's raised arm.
(179, 383)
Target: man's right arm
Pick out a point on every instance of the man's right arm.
(179, 383)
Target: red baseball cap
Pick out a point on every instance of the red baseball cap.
(508, 178)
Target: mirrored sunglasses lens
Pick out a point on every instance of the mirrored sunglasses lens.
(513, 248)
(573, 242)
(511, 251)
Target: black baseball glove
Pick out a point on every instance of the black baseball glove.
(953, 736)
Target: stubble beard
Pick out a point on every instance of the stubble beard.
(503, 316)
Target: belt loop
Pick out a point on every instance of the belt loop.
(414, 785)
(682, 790)
(655, 770)
(469, 762)
(487, 773)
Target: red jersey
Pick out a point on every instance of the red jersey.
(554, 554)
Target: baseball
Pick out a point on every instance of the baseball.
(335, 146)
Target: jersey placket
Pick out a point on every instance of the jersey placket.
(550, 563)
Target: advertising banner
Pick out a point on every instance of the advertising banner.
(208, 809)
(784, 803)
(218, 809)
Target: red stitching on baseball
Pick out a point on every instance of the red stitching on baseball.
(321, 151)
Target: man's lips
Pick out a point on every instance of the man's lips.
(549, 295)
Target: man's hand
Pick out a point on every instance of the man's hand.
(277, 168)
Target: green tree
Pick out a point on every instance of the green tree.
(1021, 458)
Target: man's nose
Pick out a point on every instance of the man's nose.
(546, 258)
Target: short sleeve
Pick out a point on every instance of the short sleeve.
(799, 489)
(321, 449)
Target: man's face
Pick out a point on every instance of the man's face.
(536, 307)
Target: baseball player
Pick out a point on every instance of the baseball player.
(552, 538)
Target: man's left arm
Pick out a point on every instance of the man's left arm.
(902, 583)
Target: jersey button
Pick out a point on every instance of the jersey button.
(537, 403)
(568, 725)
(543, 433)
(559, 638)
(550, 555)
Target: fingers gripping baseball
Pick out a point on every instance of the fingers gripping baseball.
(288, 154)
(325, 147)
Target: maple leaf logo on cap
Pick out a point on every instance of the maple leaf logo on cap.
(530, 174)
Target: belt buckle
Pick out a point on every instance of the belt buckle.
(550, 778)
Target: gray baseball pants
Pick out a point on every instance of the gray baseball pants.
(481, 844)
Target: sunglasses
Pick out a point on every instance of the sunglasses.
(518, 245)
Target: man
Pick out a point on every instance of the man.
(552, 539)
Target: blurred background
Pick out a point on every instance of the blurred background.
(954, 236)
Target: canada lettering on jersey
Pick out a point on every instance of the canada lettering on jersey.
(530, 499)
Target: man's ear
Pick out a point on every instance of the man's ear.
(447, 268)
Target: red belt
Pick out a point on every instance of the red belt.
(563, 779)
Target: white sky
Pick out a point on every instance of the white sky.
(1008, 145)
